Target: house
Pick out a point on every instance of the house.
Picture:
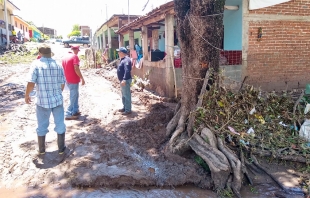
(10, 17)
(50, 32)
(35, 33)
(276, 43)
(265, 43)
(85, 30)
(20, 25)
(105, 35)
(157, 31)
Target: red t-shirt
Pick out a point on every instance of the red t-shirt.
(68, 63)
(38, 57)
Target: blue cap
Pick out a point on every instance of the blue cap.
(122, 49)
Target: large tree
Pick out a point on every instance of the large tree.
(200, 31)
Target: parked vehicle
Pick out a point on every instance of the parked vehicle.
(77, 40)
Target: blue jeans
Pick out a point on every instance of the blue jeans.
(74, 99)
(126, 96)
(43, 119)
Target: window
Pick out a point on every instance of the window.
(15, 23)
(26, 29)
(21, 26)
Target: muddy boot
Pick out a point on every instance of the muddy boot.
(61, 143)
(41, 142)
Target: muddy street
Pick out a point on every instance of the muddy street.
(107, 148)
(111, 155)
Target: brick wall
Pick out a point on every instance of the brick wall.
(281, 59)
(294, 7)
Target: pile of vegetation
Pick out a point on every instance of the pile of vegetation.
(249, 123)
(266, 124)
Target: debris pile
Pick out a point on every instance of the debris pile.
(17, 53)
(264, 123)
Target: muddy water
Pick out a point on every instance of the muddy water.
(256, 191)
(186, 191)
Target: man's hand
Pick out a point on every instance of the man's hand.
(83, 81)
(123, 83)
(27, 99)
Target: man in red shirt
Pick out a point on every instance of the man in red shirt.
(71, 63)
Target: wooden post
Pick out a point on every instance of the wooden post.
(131, 40)
(155, 39)
(169, 40)
(145, 43)
(104, 43)
(109, 37)
(120, 40)
(120, 36)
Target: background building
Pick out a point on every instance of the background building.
(85, 30)
(52, 33)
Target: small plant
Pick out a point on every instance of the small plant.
(141, 83)
(225, 193)
(253, 190)
(202, 163)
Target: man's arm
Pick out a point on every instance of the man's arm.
(62, 87)
(30, 86)
(78, 72)
(127, 68)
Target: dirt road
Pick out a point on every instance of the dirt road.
(107, 149)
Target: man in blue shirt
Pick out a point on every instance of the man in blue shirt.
(49, 78)
(124, 76)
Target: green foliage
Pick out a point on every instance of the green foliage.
(225, 193)
(202, 163)
(76, 27)
(75, 33)
(33, 39)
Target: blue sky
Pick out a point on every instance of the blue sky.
(63, 14)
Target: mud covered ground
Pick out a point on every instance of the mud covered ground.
(107, 148)
(109, 151)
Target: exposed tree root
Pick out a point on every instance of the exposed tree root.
(288, 191)
(173, 123)
(235, 164)
(191, 121)
(216, 160)
(180, 145)
(265, 153)
(244, 169)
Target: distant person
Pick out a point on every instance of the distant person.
(49, 78)
(19, 36)
(13, 35)
(71, 65)
(124, 76)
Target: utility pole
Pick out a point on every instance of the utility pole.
(6, 25)
(128, 13)
(106, 11)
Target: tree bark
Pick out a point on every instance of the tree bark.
(200, 33)
(200, 37)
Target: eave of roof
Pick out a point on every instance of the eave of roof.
(13, 5)
(159, 10)
(117, 16)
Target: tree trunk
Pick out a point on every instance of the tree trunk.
(200, 32)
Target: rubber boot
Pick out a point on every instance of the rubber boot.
(61, 143)
(41, 141)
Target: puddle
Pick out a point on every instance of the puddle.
(179, 192)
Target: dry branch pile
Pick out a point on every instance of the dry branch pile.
(263, 124)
